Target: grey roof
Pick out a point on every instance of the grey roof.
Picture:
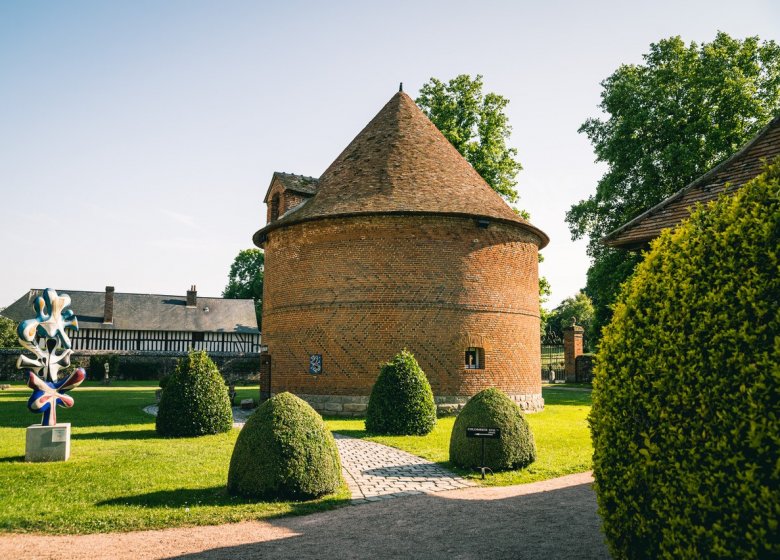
(150, 312)
(290, 181)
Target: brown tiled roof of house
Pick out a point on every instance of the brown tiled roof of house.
(401, 164)
(290, 181)
(727, 176)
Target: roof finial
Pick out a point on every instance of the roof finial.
(401, 86)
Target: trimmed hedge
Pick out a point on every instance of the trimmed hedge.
(492, 408)
(686, 401)
(401, 401)
(583, 368)
(195, 401)
(284, 451)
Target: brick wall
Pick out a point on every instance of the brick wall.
(287, 199)
(358, 290)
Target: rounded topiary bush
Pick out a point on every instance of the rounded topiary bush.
(284, 450)
(686, 400)
(401, 401)
(492, 408)
(195, 400)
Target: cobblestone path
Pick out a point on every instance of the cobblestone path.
(375, 472)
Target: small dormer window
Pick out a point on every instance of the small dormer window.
(275, 207)
(475, 358)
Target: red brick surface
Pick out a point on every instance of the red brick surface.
(358, 290)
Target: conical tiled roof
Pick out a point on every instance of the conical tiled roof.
(401, 164)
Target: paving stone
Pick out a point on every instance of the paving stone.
(381, 472)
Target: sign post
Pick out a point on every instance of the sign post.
(483, 434)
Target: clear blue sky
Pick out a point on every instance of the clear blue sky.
(137, 138)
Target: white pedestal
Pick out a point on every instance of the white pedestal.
(48, 443)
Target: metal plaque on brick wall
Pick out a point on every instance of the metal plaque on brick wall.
(315, 364)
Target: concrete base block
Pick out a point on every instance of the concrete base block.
(48, 443)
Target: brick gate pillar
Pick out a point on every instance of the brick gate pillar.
(265, 376)
(572, 347)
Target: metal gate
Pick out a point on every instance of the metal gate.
(552, 358)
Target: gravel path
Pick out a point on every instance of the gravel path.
(544, 520)
(443, 516)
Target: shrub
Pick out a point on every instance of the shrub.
(8, 336)
(97, 365)
(284, 450)
(492, 408)
(401, 401)
(583, 367)
(195, 401)
(164, 380)
(685, 404)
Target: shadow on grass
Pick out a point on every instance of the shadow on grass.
(216, 496)
(15, 459)
(125, 434)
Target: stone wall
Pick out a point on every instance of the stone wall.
(358, 290)
(145, 365)
(356, 405)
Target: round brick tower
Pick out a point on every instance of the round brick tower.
(399, 244)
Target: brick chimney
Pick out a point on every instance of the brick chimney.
(192, 296)
(108, 307)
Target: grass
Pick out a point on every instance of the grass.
(121, 476)
(561, 433)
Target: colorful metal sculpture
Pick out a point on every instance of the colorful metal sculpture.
(43, 336)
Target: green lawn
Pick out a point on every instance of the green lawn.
(121, 476)
(561, 433)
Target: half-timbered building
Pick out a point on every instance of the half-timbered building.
(131, 323)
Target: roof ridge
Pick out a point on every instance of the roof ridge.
(184, 296)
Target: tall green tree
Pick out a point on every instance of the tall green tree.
(668, 121)
(475, 123)
(579, 307)
(245, 279)
(477, 126)
(8, 338)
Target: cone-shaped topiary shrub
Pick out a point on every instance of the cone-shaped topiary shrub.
(686, 401)
(195, 400)
(284, 451)
(492, 408)
(401, 401)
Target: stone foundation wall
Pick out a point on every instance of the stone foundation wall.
(355, 406)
